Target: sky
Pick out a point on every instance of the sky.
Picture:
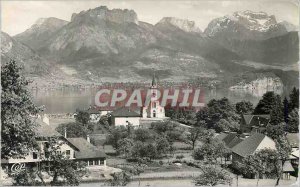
(17, 16)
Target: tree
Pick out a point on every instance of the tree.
(151, 151)
(224, 125)
(82, 117)
(104, 120)
(294, 99)
(217, 110)
(125, 146)
(275, 131)
(244, 107)
(293, 121)
(266, 104)
(208, 136)
(73, 130)
(142, 134)
(162, 145)
(284, 149)
(210, 151)
(276, 114)
(119, 179)
(212, 176)
(17, 109)
(263, 162)
(250, 166)
(286, 109)
(193, 135)
(115, 135)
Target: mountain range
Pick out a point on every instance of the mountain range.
(113, 45)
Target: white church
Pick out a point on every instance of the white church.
(152, 113)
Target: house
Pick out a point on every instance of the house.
(251, 145)
(293, 139)
(229, 139)
(254, 123)
(125, 116)
(294, 158)
(77, 149)
(287, 169)
(88, 153)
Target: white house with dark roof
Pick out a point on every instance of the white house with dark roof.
(73, 148)
(125, 116)
(88, 153)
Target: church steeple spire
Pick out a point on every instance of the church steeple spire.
(154, 82)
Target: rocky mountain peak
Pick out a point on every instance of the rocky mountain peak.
(260, 21)
(247, 24)
(6, 43)
(103, 13)
(50, 23)
(183, 24)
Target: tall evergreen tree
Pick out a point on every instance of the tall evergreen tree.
(266, 104)
(294, 99)
(17, 109)
(286, 109)
(293, 124)
(277, 115)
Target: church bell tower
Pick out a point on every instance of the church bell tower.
(154, 110)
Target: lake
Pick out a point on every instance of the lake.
(68, 100)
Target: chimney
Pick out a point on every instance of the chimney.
(65, 132)
(88, 138)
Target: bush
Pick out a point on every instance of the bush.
(179, 156)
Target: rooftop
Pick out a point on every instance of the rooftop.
(256, 119)
(249, 145)
(230, 139)
(86, 149)
(125, 112)
(45, 130)
(293, 139)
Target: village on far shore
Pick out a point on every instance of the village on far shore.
(164, 144)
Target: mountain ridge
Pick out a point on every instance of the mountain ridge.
(115, 45)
